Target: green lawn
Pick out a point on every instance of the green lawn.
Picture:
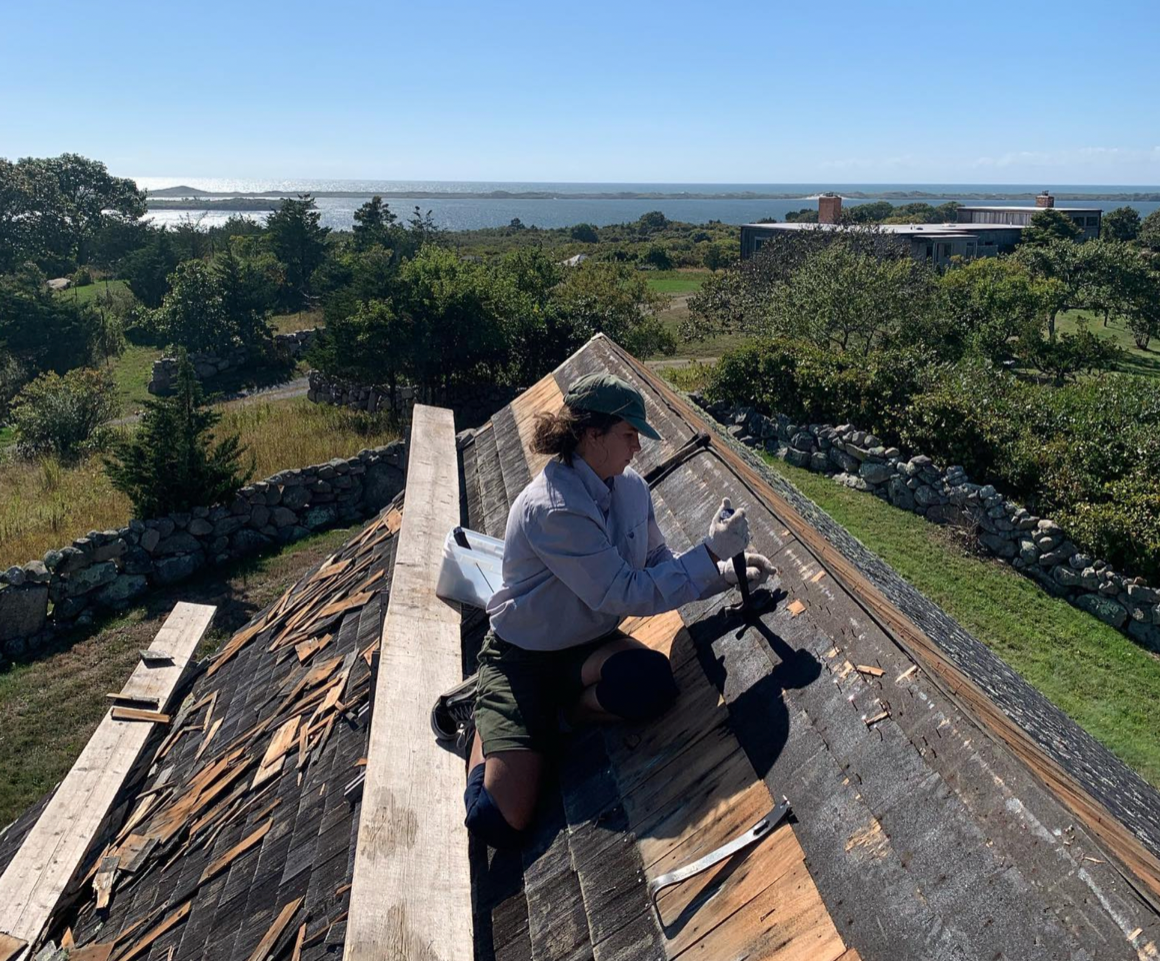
(1105, 682)
(1135, 361)
(131, 372)
(684, 281)
(90, 292)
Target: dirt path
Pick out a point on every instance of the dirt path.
(293, 388)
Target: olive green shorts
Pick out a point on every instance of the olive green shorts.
(520, 692)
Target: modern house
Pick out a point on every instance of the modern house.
(1086, 218)
(978, 232)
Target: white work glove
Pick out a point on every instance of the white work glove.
(728, 532)
(758, 569)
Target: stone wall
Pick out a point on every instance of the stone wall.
(106, 570)
(1038, 547)
(472, 406)
(207, 365)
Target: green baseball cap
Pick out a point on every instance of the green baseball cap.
(608, 394)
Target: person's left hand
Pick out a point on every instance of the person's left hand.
(758, 569)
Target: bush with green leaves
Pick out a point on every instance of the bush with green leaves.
(64, 415)
(41, 330)
(173, 461)
(810, 384)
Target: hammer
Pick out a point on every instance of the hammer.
(747, 609)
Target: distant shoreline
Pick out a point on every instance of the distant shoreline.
(192, 198)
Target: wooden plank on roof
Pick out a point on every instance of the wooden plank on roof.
(38, 875)
(266, 945)
(411, 893)
(542, 398)
(10, 947)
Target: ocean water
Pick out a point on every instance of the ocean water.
(452, 210)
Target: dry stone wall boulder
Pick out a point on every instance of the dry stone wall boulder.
(207, 365)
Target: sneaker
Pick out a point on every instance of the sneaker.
(453, 716)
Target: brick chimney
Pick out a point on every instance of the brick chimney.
(829, 208)
(1044, 200)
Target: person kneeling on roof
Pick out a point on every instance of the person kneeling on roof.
(582, 551)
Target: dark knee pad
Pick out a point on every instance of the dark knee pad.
(636, 684)
(484, 819)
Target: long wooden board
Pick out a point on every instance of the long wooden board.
(411, 893)
(40, 872)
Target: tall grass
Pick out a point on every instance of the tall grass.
(45, 504)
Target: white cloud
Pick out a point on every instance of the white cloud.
(1103, 157)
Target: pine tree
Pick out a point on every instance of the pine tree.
(172, 462)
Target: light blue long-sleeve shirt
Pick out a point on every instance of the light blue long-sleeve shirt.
(581, 554)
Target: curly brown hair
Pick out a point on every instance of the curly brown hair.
(559, 434)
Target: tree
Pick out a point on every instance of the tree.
(612, 299)
(715, 257)
(371, 344)
(851, 299)
(457, 320)
(1123, 223)
(868, 213)
(1058, 264)
(12, 379)
(60, 204)
(65, 415)
(247, 296)
(1144, 310)
(1048, 225)
(993, 301)
(738, 300)
(373, 224)
(193, 316)
(299, 242)
(41, 330)
(658, 257)
(1112, 275)
(173, 462)
(1149, 236)
(1072, 353)
(585, 233)
(147, 268)
(651, 222)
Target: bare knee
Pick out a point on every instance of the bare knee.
(513, 779)
(501, 797)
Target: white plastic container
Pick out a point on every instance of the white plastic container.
(470, 574)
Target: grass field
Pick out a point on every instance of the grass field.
(49, 708)
(1100, 678)
(90, 292)
(1135, 361)
(45, 505)
(687, 280)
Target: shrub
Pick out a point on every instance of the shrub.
(811, 384)
(1123, 529)
(64, 415)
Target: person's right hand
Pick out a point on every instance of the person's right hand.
(728, 532)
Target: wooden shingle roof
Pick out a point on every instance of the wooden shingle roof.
(941, 807)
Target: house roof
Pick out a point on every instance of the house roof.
(941, 807)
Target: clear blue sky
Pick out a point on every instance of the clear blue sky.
(740, 92)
